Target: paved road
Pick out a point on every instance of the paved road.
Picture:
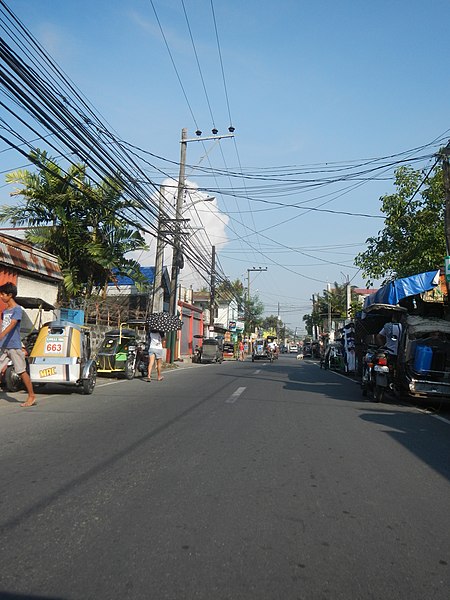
(234, 481)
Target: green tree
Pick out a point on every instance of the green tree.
(336, 299)
(413, 238)
(309, 323)
(227, 290)
(272, 322)
(254, 309)
(78, 222)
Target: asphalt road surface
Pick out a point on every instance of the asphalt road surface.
(224, 482)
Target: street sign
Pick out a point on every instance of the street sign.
(447, 268)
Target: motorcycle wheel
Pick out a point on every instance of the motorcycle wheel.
(129, 369)
(378, 393)
(12, 380)
(88, 385)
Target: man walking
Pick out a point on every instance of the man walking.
(10, 341)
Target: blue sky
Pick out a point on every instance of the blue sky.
(308, 83)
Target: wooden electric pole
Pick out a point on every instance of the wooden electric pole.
(212, 294)
(177, 256)
(444, 154)
(157, 291)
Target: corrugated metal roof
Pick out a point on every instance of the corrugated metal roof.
(148, 272)
(17, 254)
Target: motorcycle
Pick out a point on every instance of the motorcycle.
(384, 373)
(142, 359)
(368, 374)
(197, 356)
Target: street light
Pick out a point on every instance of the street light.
(191, 204)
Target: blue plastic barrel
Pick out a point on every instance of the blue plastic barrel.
(422, 359)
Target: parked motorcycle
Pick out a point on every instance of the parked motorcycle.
(368, 374)
(142, 359)
(384, 373)
(197, 356)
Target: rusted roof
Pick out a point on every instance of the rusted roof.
(17, 254)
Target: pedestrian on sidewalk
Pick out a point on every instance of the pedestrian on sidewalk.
(241, 350)
(10, 342)
(155, 352)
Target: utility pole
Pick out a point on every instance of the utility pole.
(248, 279)
(157, 292)
(349, 298)
(444, 154)
(212, 295)
(329, 311)
(314, 324)
(177, 256)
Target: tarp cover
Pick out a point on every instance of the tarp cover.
(417, 325)
(394, 291)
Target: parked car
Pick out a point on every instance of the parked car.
(293, 349)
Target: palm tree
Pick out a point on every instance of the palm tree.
(82, 224)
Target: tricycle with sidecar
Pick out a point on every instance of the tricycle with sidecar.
(423, 363)
(210, 351)
(261, 350)
(62, 354)
(117, 353)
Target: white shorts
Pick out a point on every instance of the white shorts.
(158, 352)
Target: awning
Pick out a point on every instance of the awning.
(28, 302)
(396, 290)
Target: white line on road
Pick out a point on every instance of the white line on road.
(235, 395)
(441, 419)
(257, 371)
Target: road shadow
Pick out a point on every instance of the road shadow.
(5, 397)
(302, 377)
(412, 431)
(13, 596)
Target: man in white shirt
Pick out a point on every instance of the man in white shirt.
(389, 336)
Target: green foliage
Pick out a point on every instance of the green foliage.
(309, 323)
(413, 238)
(253, 314)
(271, 323)
(81, 223)
(336, 299)
(227, 290)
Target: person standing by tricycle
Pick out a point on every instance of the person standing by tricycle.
(155, 353)
(10, 341)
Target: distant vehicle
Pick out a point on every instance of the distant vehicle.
(228, 351)
(307, 350)
(211, 351)
(293, 349)
(283, 348)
